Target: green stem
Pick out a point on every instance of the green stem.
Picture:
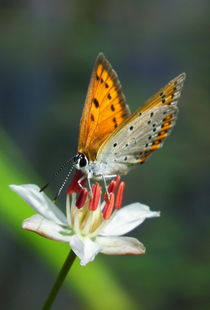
(59, 281)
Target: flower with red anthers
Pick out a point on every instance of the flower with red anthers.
(92, 223)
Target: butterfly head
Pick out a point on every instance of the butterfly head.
(81, 162)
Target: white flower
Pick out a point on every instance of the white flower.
(89, 230)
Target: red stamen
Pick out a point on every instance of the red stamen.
(112, 187)
(82, 198)
(106, 198)
(109, 206)
(96, 192)
(117, 180)
(119, 196)
(74, 187)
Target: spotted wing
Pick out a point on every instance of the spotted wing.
(105, 108)
(144, 131)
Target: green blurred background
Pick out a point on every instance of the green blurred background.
(47, 52)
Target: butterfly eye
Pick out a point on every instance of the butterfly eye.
(80, 160)
(83, 162)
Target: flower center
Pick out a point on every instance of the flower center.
(89, 213)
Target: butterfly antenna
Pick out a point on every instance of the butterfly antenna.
(63, 184)
(56, 174)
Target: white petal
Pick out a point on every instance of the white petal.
(84, 248)
(127, 219)
(120, 245)
(40, 202)
(46, 228)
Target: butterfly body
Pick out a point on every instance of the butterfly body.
(111, 139)
(95, 169)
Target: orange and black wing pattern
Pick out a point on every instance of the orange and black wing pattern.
(104, 110)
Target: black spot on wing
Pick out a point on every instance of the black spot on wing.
(115, 122)
(96, 103)
(112, 108)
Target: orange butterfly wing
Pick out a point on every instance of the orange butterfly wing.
(105, 108)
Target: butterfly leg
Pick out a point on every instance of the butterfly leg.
(89, 184)
(105, 185)
(111, 176)
(104, 177)
(90, 188)
(80, 180)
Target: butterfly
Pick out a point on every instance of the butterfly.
(111, 139)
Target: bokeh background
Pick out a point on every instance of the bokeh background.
(47, 52)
